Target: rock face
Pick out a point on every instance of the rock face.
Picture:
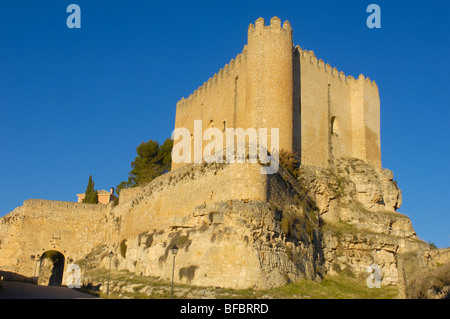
(359, 223)
(229, 244)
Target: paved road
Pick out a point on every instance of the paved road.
(20, 290)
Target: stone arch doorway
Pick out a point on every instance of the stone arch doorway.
(51, 268)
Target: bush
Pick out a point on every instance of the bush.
(429, 283)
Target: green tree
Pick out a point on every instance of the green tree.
(152, 160)
(91, 195)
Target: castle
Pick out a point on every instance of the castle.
(320, 113)
(234, 226)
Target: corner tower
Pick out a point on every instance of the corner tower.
(269, 81)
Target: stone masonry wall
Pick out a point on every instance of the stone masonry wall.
(42, 225)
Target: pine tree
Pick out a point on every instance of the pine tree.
(91, 195)
(152, 160)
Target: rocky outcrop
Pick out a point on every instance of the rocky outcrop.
(360, 225)
(237, 244)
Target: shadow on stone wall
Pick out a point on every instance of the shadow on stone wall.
(12, 276)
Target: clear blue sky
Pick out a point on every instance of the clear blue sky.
(76, 102)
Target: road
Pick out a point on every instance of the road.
(20, 290)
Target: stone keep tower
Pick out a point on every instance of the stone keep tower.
(269, 83)
(321, 114)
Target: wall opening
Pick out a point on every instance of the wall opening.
(334, 126)
(224, 126)
(211, 124)
(51, 268)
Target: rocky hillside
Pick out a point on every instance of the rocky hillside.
(360, 225)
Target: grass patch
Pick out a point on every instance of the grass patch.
(331, 287)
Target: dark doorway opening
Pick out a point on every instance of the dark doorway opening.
(51, 268)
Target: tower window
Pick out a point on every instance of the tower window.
(334, 130)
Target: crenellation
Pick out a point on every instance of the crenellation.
(259, 24)
(321, 64)
(349, 79)
(214, 78)
(275, 22)
(213, 84)
(335, 72)
(231, 64)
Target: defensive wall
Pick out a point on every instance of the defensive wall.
(38, 226)
(76, 229)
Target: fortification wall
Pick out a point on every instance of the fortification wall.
(174, 195)
(38, 226)
(339, 114)
(372, 123)
(128, 193)
(219, 102)
(209, 211)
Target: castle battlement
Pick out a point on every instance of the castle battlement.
(275, 25)
(214, 82)
(309, 56)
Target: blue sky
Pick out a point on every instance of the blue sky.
(76, 102)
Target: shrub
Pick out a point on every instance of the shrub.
(426, 284)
